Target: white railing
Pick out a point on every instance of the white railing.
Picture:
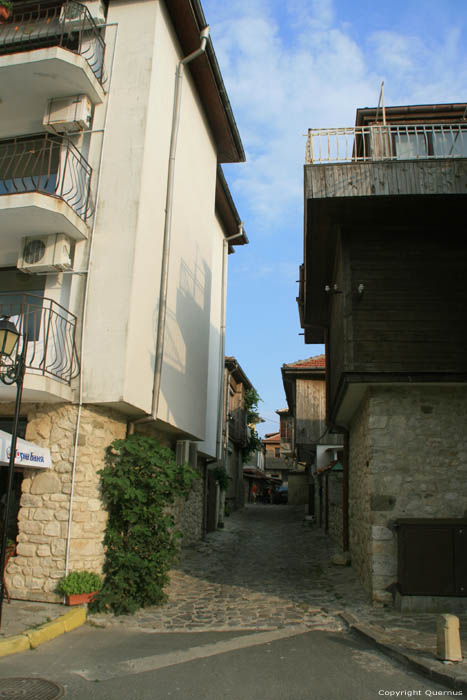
(386, 142)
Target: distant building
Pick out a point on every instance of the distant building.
(312, 443)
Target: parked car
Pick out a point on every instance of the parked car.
(282, 494)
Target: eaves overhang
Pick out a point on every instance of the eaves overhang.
(188, 19)
(233, 366)
(227, 212)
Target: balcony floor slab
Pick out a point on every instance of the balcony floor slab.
(29, 79)
(34, 213)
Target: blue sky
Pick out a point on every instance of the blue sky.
(289, 66)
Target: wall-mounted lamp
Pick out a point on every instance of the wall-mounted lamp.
(332, 290)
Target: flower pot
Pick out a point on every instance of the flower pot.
(5, 13)
(80, 598)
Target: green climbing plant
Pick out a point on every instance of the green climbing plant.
(252, 399)
(140, 481)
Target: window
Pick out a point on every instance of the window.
(29, 165)
(277, 452)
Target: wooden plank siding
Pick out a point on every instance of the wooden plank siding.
(310, 422)
(412, 315)
(415, 177)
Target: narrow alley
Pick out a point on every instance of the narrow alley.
(253, 614)
(267, 568)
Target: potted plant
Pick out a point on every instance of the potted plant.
(79, 587)
(5, 9)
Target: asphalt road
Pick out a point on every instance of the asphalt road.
(286, 664)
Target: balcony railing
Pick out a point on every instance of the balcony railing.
(50, 165)
(38, 25)
(386, 142)
(51, 331)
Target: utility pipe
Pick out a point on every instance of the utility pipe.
(168, 221)
(220, 411)
(83, 319)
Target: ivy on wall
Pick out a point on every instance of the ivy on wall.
(140, 481)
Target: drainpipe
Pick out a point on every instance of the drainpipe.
(345, 465)
(168, 222)
(220, 412)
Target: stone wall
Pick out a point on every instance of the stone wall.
(190, 516)
(334, 495)
(45, 501)
(298, 488)
(328, 490)
(408, 458)
(359, 494)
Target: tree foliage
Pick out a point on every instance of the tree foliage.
(140, 481)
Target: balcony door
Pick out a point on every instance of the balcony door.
(19, 291)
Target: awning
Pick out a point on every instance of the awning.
(27, 453)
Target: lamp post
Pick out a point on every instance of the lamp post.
(12, 367)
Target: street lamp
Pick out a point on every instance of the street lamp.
(12, 367)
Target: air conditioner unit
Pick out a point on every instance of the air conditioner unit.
(67, 114)
(45, 253)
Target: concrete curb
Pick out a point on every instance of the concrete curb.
(32, 638)
(426, 666)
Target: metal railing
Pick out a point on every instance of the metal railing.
(37, 25)
(50, 165)
(386, 142)
(51, 332)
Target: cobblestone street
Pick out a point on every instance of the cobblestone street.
(267, 568)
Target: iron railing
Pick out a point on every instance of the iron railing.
(38, 25)
(50, 165)
(386, 142)
(51, 332)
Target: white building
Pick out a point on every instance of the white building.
(115, 220)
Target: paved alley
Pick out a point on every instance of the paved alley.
(268, 568)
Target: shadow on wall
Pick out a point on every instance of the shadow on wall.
(186, 352)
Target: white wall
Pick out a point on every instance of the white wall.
(125, 277)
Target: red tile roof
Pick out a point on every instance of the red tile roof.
(318, 361)
(274, 437)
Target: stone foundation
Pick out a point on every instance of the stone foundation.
(44, 511)
(408, 458)
(45, 501)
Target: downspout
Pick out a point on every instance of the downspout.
(168, 222)
(345, 464)
(220, 412)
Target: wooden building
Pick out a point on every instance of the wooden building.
(313, 445)
(383, 286)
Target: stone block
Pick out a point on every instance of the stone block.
(95, 504)
(58, 547)
(379, 532)
(43, 514)
(43, 550)
(384, 565)
(52, 529)
(30, 527)
(382, 502)
(59, 498)
(47, 482)
(61, 514)
(26, 550)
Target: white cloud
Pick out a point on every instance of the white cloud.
(291, 66)
(282, 81)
